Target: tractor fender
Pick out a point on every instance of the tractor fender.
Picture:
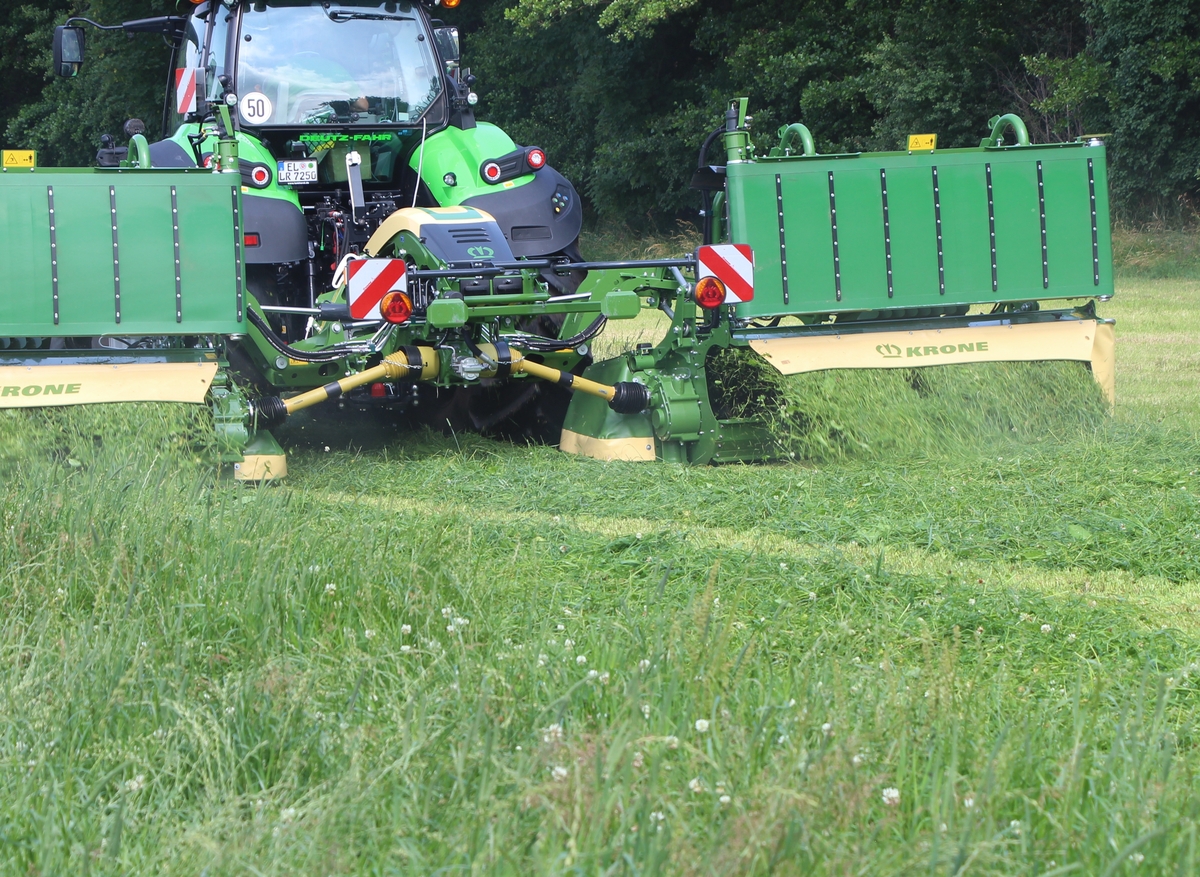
(281, 229)
(540, 218)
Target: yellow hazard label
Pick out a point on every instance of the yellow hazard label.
(19, 158)
(922, 142)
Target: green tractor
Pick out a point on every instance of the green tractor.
(329, 221)
(343, 114)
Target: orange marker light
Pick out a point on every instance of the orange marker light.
(710, 293)
(396, 307)
(450, 4)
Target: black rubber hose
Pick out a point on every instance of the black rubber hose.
(708, 141)
(550, 345)
(283, 347)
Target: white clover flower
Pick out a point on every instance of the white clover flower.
(638, 759)
(1137, 858)
(724, 799)
(560, 627)
(644, 665)
(449, 628)
(604, 677)
(568, 643)
(136, 784)
(672, 741)
(229, 711)
(646, 710)
(658, 816)
(581, 660)
(287, 814)
(1070, 637)
(331, 588)
(461, 622)
(827, 728)
(858, 759)
(159, 733)
(405, 629)
(696, 785)
(701, 725)
(593, 674)
(783, 566)
(891, 796)
(969, 802)
(369, 634)
(1015, 826)
(812, 595)
(553, 733)
(406, 649)
(447, 612)
(542, 659)
(971, 602)
(559, 773)
(1046, 628)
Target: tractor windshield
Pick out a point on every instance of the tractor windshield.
(335, 64)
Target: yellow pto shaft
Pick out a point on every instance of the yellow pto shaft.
(422, 364)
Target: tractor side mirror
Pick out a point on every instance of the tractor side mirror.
(68, 50)
(446, 39)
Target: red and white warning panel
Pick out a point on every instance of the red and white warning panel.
(185, 89)
(733, 265)
(370, 280)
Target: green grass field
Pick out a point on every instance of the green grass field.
(430, 654)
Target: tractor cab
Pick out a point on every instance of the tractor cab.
(344, 113)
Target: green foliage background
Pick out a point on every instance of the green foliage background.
(622, 93)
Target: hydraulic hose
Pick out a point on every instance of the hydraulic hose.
(540, 344)
(281, 346)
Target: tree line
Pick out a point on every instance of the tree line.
(622, 92)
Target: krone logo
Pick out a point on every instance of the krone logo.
(480, 252)
(888, 351)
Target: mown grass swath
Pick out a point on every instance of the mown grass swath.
(429, 652)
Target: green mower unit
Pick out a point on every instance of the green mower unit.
(329, 221)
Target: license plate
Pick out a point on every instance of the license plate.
(297, 171)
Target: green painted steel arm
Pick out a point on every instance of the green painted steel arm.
(788, 134)
(999, 123)
(139, 146)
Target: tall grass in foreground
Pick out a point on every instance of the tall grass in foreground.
(440, 659)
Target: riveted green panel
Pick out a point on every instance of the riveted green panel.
(921, 187)
(965, 237)
(130, 289)
(25, 270)
(809, 243)
(913, 235)
(1068, 224)
(1018, 230)
(859, 205)
(147, 255)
